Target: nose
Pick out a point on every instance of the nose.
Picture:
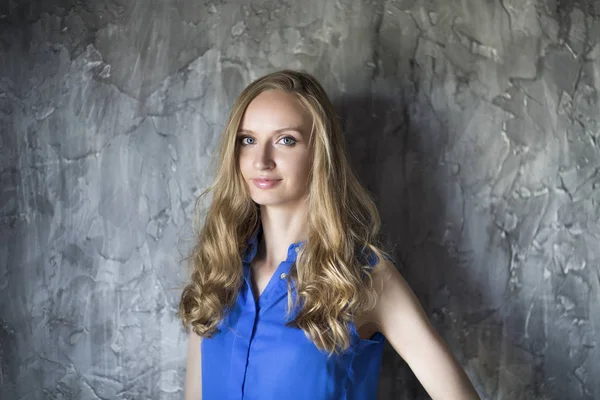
(263, 158)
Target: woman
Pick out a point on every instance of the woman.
(290, 295)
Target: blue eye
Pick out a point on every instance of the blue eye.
(288, 141)
(246, 140)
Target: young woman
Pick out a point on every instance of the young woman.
(290, 295)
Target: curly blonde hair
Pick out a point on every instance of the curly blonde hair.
(333, 282)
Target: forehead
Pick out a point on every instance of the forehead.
(272, 110)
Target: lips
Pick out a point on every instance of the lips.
(263, 183)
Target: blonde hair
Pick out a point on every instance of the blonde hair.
(332, 279)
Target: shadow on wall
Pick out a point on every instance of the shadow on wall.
(398, 162)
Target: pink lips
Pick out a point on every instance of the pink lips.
(262, 183)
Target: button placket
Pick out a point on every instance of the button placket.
(241, 345)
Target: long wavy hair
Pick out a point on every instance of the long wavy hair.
(332, 277)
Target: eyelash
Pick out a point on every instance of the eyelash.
(243, 138)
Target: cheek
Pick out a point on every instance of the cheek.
(302, 166)
(243, 164)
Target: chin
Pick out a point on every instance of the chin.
(269, 199)
(276, 201)
(264, 201)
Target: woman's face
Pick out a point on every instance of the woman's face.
(274, 155)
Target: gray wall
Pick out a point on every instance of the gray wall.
(473, 123)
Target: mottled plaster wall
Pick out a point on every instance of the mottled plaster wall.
(475, 124)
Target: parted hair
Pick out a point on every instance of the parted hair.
(332, 280)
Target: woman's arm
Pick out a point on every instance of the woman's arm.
(405, 325)
(193, 373)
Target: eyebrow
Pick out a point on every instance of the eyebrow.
(291, 128)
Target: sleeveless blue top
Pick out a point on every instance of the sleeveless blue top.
(255, 356)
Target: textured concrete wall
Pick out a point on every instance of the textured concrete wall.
(474, 123)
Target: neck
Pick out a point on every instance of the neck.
(281, 228)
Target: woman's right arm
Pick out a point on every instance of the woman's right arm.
(193, 372)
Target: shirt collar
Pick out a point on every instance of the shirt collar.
(252, 247)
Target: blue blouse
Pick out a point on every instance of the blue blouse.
(256, 356)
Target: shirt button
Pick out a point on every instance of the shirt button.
(283, 275)
(297, 249)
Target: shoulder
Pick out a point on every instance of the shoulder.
(385, 276)
(393, 293)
